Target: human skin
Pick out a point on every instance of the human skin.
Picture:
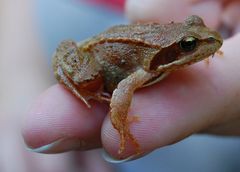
(202, 98)
(24, 74)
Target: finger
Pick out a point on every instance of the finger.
(167, 113)
(237, 28)
(210, 11)
(157, 10)
(188, 101)
(229, 124)
(165, 11)
(231, 16)
(59, 122)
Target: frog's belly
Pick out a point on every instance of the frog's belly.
(112, 76)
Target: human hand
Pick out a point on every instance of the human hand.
(169, 112)
(25, 74)
(214, 13)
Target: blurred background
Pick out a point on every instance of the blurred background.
(44, 24)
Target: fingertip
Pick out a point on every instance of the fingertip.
(148, 134)
(58, 115)
(111, 144)
(237, 28)
(210, 11)
(230, 16)
(164, 11)
(157, 10)
(167, 112)
(151, 131)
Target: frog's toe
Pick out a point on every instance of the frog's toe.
(124, 136)
(133, 118)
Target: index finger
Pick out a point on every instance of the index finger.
(59, 122)
(165, 11)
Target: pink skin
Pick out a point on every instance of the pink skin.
(24, 75)
(158, 10)
(199, 98)
(50, 120)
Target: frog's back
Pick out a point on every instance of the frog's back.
(152, 34)
(123, 49)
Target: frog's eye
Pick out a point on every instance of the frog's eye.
(188, 44)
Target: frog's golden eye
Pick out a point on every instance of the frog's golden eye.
(188, 44)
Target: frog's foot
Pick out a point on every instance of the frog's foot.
(133, 118)
(103, 97)
(99, 96)
(122, 126)
(124, 136)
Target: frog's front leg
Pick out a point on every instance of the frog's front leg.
(67, 83)
(120, 103)
(82, 94)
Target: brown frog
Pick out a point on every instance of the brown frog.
(112, 65)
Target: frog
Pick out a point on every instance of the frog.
(112, 65)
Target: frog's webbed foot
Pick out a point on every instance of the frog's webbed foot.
(63, 79)
(120, 103)
(100, 96)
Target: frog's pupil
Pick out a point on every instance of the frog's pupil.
(188, 44)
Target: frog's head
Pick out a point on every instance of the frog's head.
(198, 39)
(193, 42)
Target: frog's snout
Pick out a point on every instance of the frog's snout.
(216, 38)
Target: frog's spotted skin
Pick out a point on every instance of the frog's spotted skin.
(112, 65)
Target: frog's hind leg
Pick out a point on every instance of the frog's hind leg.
(63, 79)
(120, 103)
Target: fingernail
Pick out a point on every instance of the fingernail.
(61, 145)
(107, 157)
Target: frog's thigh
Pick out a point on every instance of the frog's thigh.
(120, 103)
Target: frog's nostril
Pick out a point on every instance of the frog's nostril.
(211, 39)
(215, 39)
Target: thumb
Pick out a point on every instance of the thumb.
(188, 101)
